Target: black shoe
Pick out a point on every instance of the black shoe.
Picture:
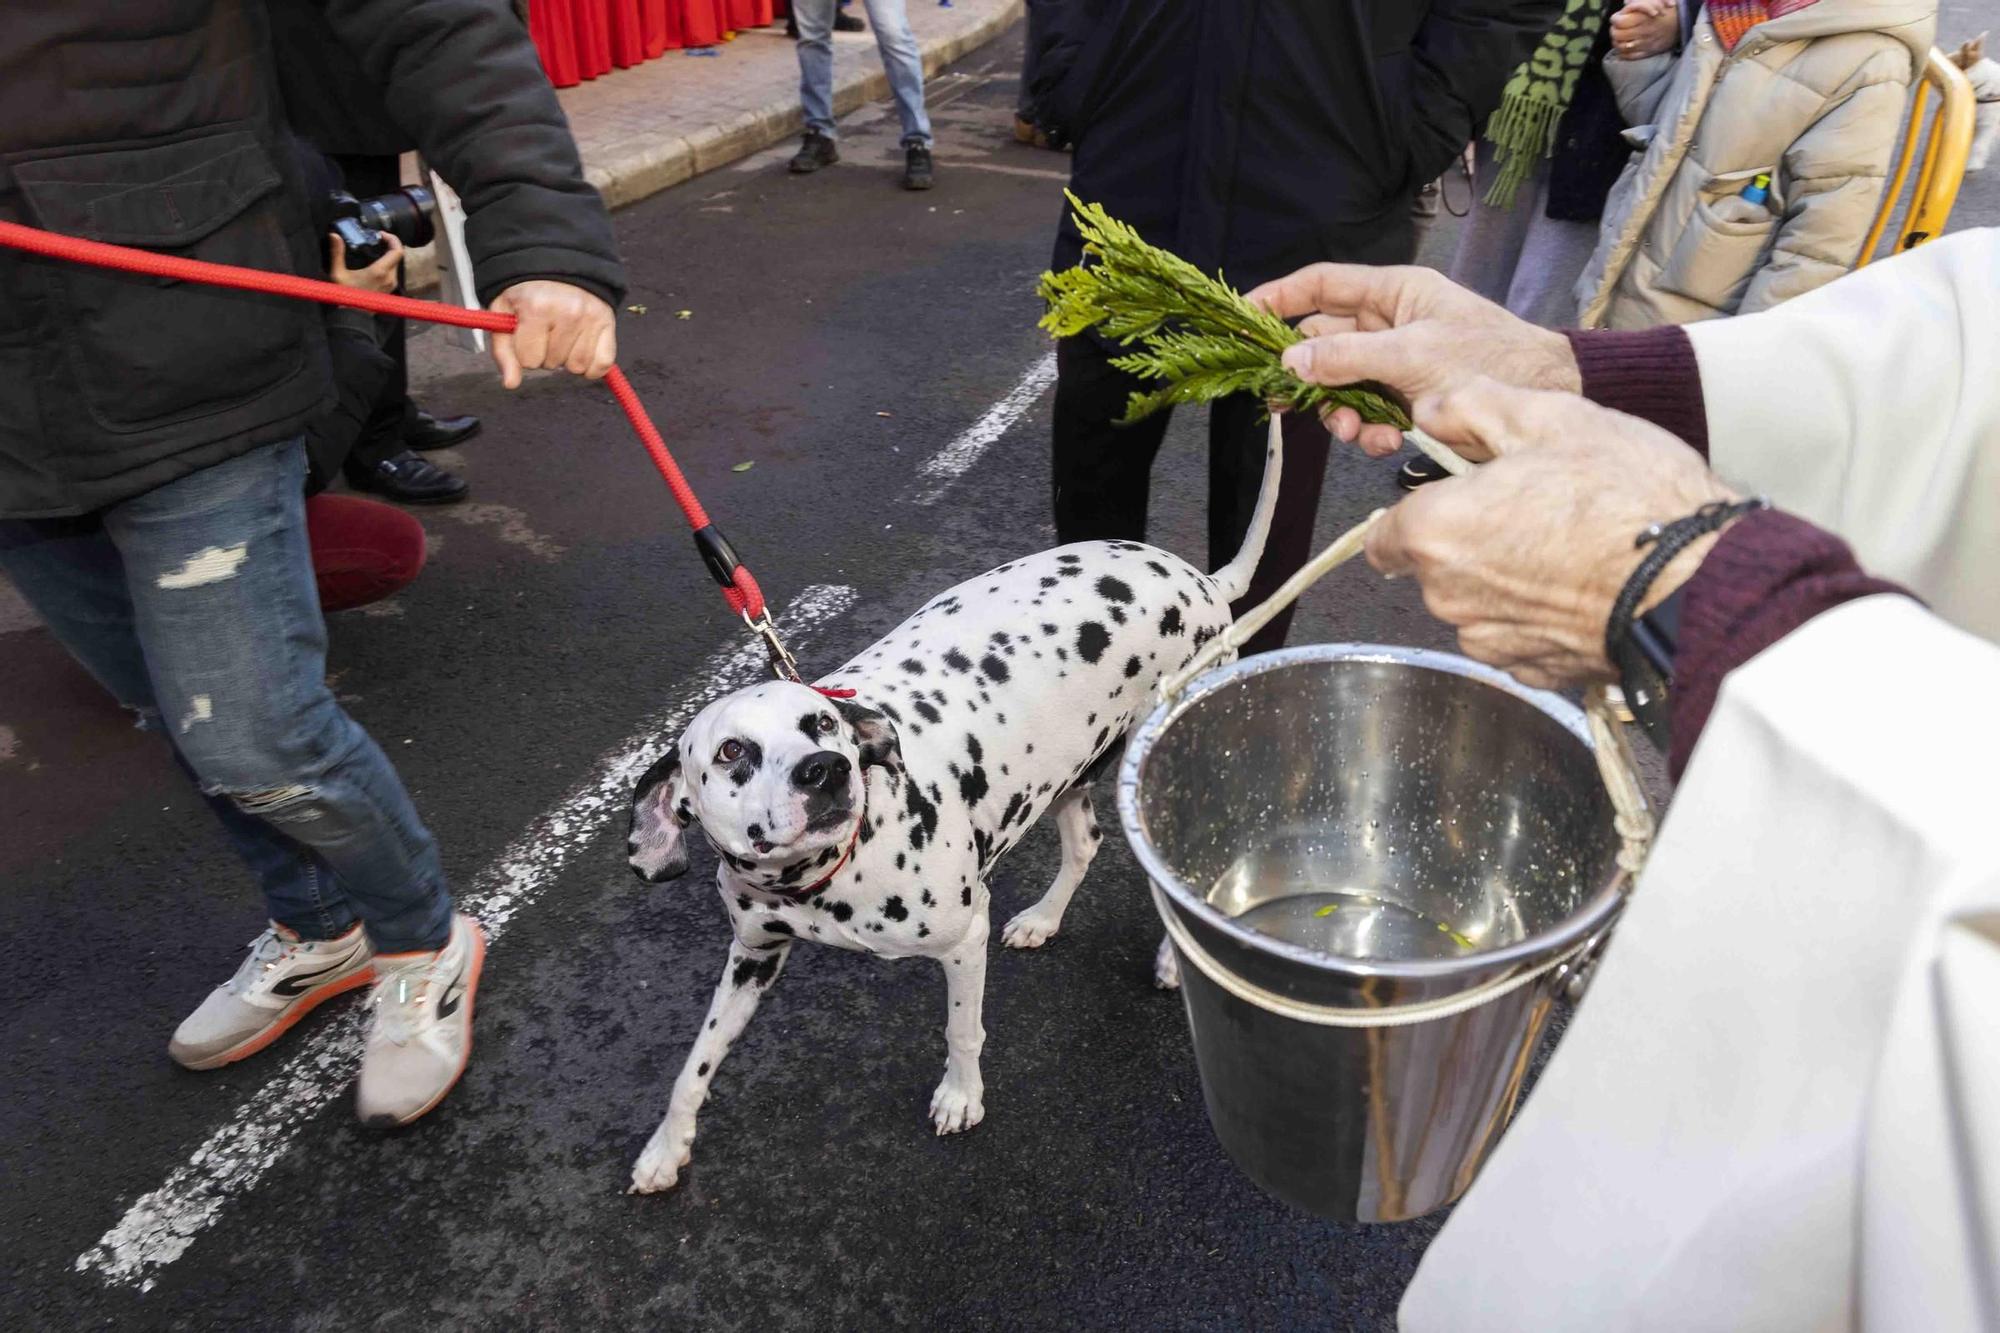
(815, 151)
(792, 29)
(409, 480)
(1419, 471)
(917, 167)
(426, 432)
(848, 23)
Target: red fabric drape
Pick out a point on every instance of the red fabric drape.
(628, 33)
(662, 23)
(702, 21)
(593, 36)
(552, 28)
(749, 14)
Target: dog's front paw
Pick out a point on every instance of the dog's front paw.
(956, 1106)
(1167, 967)
(659, 1167)
(1031, 929)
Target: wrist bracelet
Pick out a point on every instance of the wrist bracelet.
(1667, 540)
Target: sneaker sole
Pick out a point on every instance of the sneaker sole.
(308, 1002)
(471, 995)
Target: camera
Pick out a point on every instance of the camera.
(407, 214)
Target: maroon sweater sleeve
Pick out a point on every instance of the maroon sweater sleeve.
(1769, 574)
(1647, 373)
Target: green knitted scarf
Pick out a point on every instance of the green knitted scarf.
(1523, 130)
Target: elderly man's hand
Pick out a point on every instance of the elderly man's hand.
(1412, 330)
(1526, 554)
(561, 328)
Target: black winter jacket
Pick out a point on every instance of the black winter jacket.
(158, 125)
(1257, 136)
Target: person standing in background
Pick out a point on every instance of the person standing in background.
(901, 60)
(333, 105)
(1251, 137)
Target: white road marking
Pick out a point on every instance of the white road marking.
(951, 462)
(160, 1226)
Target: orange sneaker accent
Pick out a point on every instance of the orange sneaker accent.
(308, 1002)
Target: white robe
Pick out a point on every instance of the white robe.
(1778, 1107)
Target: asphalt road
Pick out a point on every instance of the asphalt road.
(841, 333)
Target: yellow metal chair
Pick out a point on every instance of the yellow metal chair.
(1950, 133)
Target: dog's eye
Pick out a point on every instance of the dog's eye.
(730, 752)
(826, 724)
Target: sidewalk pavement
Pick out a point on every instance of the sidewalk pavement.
(648, 128)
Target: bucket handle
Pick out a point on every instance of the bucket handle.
(1631, 816)
(1400, 1015)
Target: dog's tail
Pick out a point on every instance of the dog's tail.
(1233, 579)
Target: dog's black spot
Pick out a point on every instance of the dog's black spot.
(972, 748)
(982, 847)
(900, 859)
(865, 830)
(842, 911)
(745, 969)
(972, 786)
(1203, 635)
(1159, 569)
(913, 666)
(752, 759)
(922, 930)
(778, 928)
(1069, 558)
(702, 1070)
(993, 667)
(1117, 615)
(1102, 736)
(768, 969)
(924, 813)
(957, 661)
(965, 895)
(1015, 806)
(1132, 667)
(1049, 629)
(711, 1025)
(742, 902)
(1069, 571)
(827, 855)
(1170, 623)
(1091, 640)
(1114, 590)
(925, 711)
(890, 713)
(1048, 583)
(892, 908)
(927, 900)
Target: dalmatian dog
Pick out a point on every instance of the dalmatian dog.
(867, 811)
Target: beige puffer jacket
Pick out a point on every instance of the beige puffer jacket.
(1815, 98)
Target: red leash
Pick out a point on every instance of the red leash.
(739, 589)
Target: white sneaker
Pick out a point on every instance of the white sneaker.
(422, 1033)
(284, 979)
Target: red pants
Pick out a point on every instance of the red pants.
(362, 551)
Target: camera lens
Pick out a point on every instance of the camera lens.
(406, 214)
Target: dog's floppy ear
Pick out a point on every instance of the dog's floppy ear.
(874, 734)
(660, 815)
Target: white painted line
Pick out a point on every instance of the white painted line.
(951, 462)
(160, 1226)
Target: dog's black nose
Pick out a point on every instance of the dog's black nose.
(823, 771)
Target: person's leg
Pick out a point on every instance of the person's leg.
(362, 551)
(815, 20)
(904, 63)
(1553, 255)
(220, 574)
(1024, 101)
(1489, 242)
(1101, 470)
(1236, 433)
(70, 572)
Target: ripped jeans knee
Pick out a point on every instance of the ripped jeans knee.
(290, 803)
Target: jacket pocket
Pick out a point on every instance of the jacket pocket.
(150, 352)
(1724, 243)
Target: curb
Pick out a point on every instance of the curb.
(675, 158)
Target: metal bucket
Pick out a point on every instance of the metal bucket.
(1378, 866)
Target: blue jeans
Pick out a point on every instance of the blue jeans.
(195, 606)
(901, 59)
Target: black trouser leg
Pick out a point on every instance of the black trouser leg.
(368, 176)
(1102, 470)
(1236, 433)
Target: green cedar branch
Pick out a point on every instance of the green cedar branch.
(1198, 337)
